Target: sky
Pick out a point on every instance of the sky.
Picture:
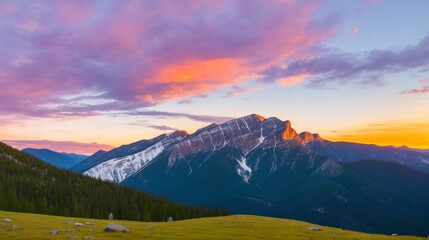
(80, 76)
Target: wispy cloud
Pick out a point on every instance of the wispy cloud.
(417, 91)
(59, 146)
(162, 127)
(334, 66)
(195, 117)
(238, 91)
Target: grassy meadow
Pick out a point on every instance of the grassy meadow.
(35, 226)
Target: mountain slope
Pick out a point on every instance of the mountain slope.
(230, 227)
(124, 150)
(30, 185)
(75, 156)
(61, 160)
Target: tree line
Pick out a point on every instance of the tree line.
(27, 184)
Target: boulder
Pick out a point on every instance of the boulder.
(113, 227)
(314, 229)
(7, 220)
(78, 224)
(170, 219)
(394, 235)
(88, 238)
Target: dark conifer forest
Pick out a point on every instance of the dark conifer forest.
(29, 185)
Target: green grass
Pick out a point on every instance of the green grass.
(35, 226)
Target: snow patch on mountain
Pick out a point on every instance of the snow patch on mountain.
(118, 169)
(243, 170)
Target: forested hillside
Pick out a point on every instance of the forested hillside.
(29, 185)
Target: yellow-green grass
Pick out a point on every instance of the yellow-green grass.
(35, 226)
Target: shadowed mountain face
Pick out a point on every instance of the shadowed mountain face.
(263, 166)
(61, 160)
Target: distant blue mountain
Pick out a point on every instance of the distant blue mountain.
(61, 160)
(75, 156)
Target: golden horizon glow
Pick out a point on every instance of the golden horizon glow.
(395, 133)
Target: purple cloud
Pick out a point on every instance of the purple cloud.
(132, 54)
(343, 67)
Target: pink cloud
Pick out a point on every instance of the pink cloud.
(417, 91)
(141, 53)
(60, 146)
(424, 80)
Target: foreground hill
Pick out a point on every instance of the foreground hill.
(231, 227)
(61, 160)
(29, 185)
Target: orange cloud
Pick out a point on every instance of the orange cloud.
(293, 80)
(194, 77)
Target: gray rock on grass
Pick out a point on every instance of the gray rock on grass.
(314, 229)
(78, 224)
(7, 220)
(113, 227)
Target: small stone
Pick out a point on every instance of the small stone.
(89, 237)
(16, 227)
(394, 234)
(7, 220)
(78, 224)
(68, 222)
(149, 228)
(170, 219)
(55, 232)
(314, 229)
(89, 223)
(91, 230)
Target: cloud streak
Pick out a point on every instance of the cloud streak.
(195, 117)
(162, 127)
(343, 67)
(417, 91)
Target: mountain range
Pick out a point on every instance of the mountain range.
(258, 165)
(58, 159)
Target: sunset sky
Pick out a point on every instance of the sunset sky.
(79, 76)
